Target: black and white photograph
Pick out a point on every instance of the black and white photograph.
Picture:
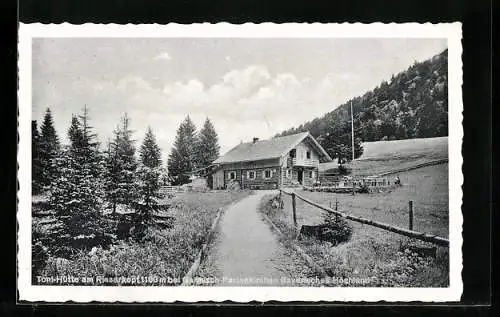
(252, 162)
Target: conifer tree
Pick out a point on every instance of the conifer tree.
(149, 178)
(126, 154)
(48, 150)
(121, 166)
(89, 146)
(36, 169)
(111, 175)
(207, 149)
(182, 158)
(77, 193)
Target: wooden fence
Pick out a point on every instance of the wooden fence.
(172, 189)
(405, 232)
(339, 184)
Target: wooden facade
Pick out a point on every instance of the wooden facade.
(296, 167)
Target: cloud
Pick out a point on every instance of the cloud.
(243, 103)
(163, 56)
(133, 83)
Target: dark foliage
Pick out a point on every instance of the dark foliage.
(149, 182)
(76, 194)
(364, 189)
(182, 158)
(207, 145)
(39, 257)
(121, 165)
(337, 229)
(36, 168)
(47, 150)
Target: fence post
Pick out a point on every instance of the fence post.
(410, 215)
(336, 204)
(294, 210)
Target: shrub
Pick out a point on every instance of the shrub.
(364, 189)
(337, 229)
(164, 251)
(124, 259)
(40, 255)
(404, 269)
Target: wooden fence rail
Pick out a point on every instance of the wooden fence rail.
(405, 232)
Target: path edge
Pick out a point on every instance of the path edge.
(298, 249)
(188, 278)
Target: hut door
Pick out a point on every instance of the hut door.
(300, 176)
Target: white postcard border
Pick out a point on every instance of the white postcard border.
(28, 292)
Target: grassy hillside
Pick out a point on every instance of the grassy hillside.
(431, 147)
(391, 156)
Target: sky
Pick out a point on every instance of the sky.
(248, 87)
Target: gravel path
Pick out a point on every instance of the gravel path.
(246, 252)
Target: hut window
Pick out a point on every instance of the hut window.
(251, 174)
(311, 174)
(267, 174)
(293, 153)
(288, 173)
(231, 175)
(308, 155)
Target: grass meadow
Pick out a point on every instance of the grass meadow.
(166, 252)
(375, 253)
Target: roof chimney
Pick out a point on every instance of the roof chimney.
(255, 140)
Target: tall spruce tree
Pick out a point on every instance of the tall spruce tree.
(149, 179)
(48, 150)
(207, 149)
(149, 173)
(126, 153)
(36, 169)
(182, 158)
(77, 193)
(111, 178)
(121, 166)
(90, 146)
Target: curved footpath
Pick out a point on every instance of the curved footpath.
(247, 251)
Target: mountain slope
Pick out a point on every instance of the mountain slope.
(381, 157)
(412, 104)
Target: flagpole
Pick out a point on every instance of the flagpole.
(352, 139)
(352, 132)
